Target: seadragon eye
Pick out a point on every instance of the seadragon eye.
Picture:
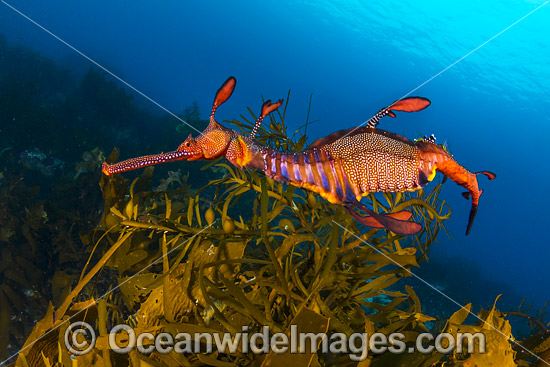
(187, 144)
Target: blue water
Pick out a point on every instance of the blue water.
(355, 57)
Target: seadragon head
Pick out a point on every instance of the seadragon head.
(210, 144)
(213, 142)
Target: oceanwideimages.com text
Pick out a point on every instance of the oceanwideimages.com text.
(80, 338)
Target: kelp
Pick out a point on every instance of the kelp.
(39, 246)
(245, 251)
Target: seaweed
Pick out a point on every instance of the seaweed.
(255, 253)
(242, 251)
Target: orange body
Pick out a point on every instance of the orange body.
(342, 167)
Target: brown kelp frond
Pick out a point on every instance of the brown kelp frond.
(243, 252)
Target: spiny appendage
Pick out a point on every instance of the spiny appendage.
(410, 104)
(144, 161)
(242, 151)
(267, 108)
(223, 94)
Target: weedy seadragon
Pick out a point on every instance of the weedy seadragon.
(342, 167)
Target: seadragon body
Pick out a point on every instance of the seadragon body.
(342, 167)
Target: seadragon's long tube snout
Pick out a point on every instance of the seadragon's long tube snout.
(144, 161)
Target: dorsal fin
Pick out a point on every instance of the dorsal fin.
(319, 143)
(334, 136)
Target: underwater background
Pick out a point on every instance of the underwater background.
(351, 57)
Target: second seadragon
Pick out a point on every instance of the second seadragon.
(342, 167)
